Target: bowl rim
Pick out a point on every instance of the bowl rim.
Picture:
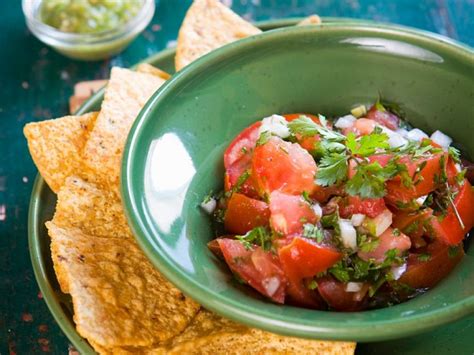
(383, 329)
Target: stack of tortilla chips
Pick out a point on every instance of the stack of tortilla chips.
(122, 304)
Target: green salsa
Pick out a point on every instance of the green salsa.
(88, 16)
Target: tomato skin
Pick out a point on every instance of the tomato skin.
(397, 192)
(387, 240)
(449, 229)
(335, 294)
(244, 213)
(426, 274)
(283, 166)
(371, 207)
(385, 118)
(303, 258)
(413, 224)
(260, 269)
(245, 139)
(289, 213)
(235, 171)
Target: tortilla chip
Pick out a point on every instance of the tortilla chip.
(125, 95)
(211, 334)
(310, 20)
(95, 211)
(56, 145)
(119, 299)
(208, 25)
(150, 69)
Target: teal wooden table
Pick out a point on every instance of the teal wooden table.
(35, 84)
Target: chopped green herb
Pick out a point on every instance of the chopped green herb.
(306, 127)
(424, 257)
(313, 285)
(453, 251)
(455, 154)
(369, 245)
(366, 145)
(244, 150)
(313, 232)
(260, 236)
(340, 272)
(368, 181)
(332, 169)
(264, 137)
(306, 197)
(396, 232)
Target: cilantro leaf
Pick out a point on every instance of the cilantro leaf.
(305, 126)
(424, 257)
(368, 181)
(264, 137)
(368, 144)
(332, 169)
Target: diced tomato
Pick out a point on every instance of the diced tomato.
(335, 294)
(307, 143)
(244, 213)
(451, 171)
(411, 220)
(304, 258)
(371, 207)
(382, 159)
(387, 240)
(289, 213)
(449, 229)
(283, 166)
(413, 224)
(260, 269)
(361, 127)
(424, 182)
(238, 169)
(242, 144)
(385, 118)
(427, 273)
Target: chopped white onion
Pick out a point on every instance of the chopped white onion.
(348, 234)
(382, 222)
(416, 135)
(318, 210)
(442, 139)
(271, 285)
(458, 167)
(276, 125)
(403, 132)
(345, 122)
(357, 219)
(395, 140)
(421, 200)
(209, 206)
(397, 271)
(353, 286)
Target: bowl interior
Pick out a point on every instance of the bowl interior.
(174, 156)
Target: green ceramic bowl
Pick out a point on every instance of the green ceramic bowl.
(174, 153)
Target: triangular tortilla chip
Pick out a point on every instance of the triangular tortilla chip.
(211, 334)
(125, 95)
(208, 25)
(56, 146)
(310, 20)
(95, 211)
(150, 69)
(119, 298)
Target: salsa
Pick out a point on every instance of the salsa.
(349, 214)
(88, 16)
